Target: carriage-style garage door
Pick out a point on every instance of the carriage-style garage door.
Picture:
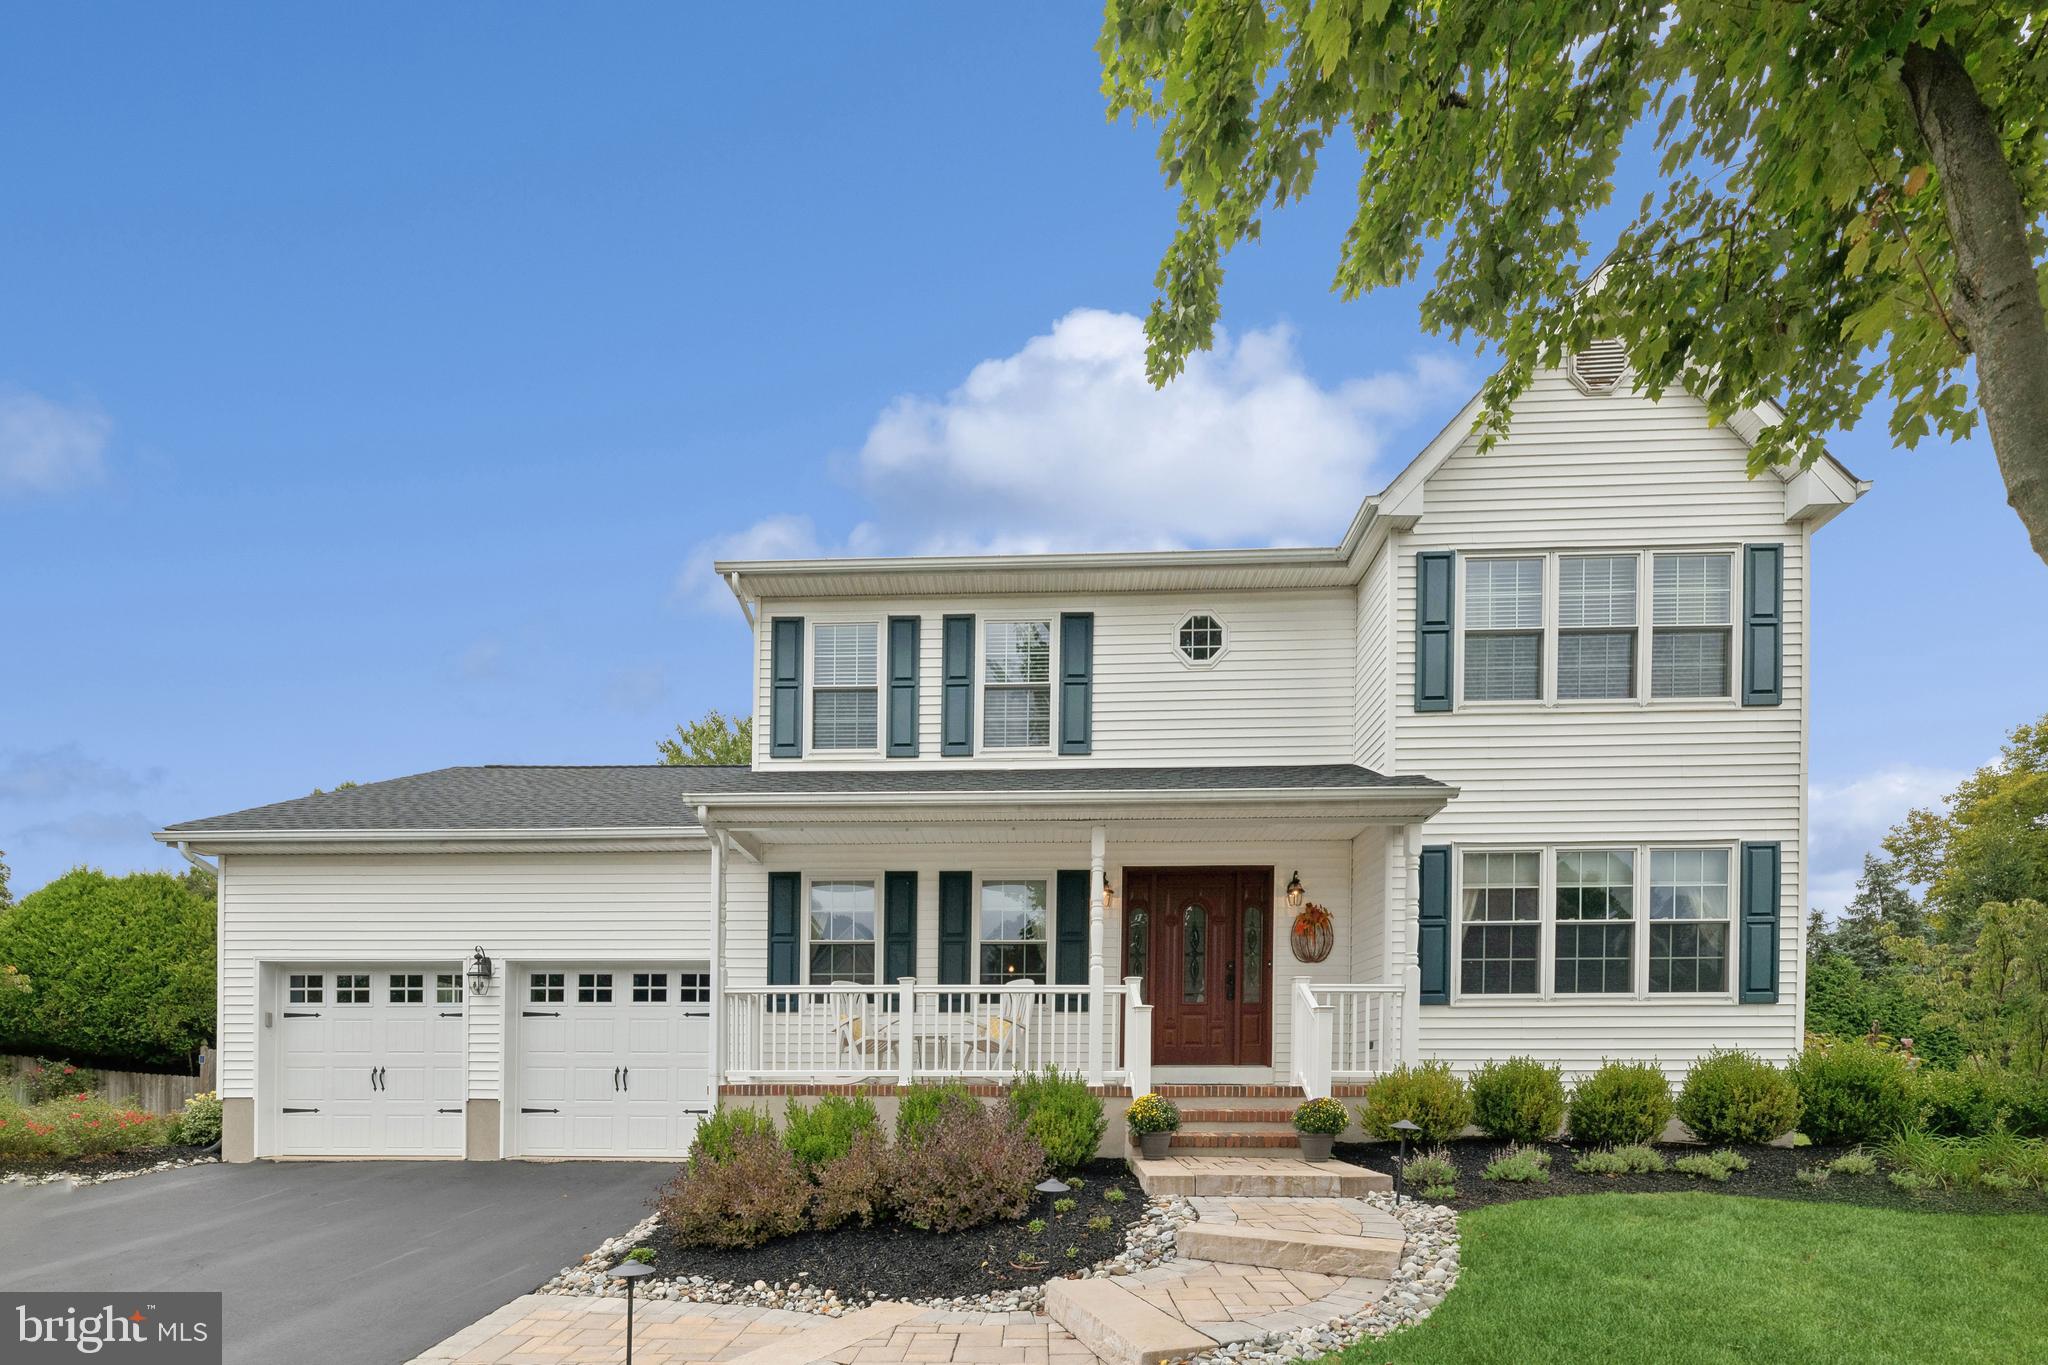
(370, 1060)
(611, 1060)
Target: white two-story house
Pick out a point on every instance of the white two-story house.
(1516, 767)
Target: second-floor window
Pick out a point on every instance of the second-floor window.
(843, 704)
(1690, 600)
(1503, 629)
(1016, 694)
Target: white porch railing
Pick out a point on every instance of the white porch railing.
(1344, 1032)
(901, 1032)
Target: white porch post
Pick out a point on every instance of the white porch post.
(1411, 957)
(718, 855)
(1097, 846)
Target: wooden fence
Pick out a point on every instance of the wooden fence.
(158, 1093)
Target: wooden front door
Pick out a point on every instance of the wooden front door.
(1201, 937)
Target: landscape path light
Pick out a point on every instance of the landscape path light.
(1404, 1128)
(629, 1271)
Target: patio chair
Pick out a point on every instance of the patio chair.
(999, 1038)
(858, 1040)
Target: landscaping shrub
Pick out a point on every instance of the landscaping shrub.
(1961, 1103)
(1324, 1115)
(1519, 1165)
(718, 1136)
(750, 1192)
(2026, 1104)
(1714, 1166)
(82, 1125)
(199, 1124)
(854, 1187)
(967, 1165)
(46, 1080)
(825, 1131)
(1737, 1097)
(1620, 1104)
(1812, 1175)
(1058, 1111)
(1430, 1096)
(1853, 1092)
(1520, 1100)
(1631, 1160)
(919, 1105)
(1434, 1168)
(1858, 1162)
(1151, 1113)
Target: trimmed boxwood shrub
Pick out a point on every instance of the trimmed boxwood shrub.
(1853, 1092)
(1961, 1103)
(1058, 1111)
(1520, 1099)
(825, 1131)
(919, 1105)
(1620, 1104)
(1737, 1097)
(1430, 1096)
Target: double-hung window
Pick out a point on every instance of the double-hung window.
(1688, 919)
(1503, 629)
(1016, 695)
(1596, 910)
(1502, 916)
(842, 932)
(1691, 598)
(843, 686)
(1596, 627)
(1013, 932)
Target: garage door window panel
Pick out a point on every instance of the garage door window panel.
(593, 988)
(352, 988)
(545, 988)
(650, 988)
(307, 989)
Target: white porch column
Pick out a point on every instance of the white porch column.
(1411, 956)
(717, 964)
(1097, 846)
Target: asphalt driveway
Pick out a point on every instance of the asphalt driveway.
(354, 1263)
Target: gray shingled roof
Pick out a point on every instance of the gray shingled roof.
(653, 796)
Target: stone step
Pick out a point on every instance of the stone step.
(1325, 1253)
(831, 1337)
(1118, 1326)
(1254, 1177)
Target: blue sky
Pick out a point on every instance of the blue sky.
(374, 382)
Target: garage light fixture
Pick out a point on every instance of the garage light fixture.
(479, 972)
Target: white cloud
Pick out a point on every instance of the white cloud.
(1845, 820)
(1066, 445)
(46, 447)
(45, 775)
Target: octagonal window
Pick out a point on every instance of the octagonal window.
(1201, 638)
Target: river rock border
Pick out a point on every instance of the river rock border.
(80, 1179)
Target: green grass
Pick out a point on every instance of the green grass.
(1699, 1279)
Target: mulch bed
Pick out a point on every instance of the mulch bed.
(1770, 1176)
(894, 1260)
(140, 1159)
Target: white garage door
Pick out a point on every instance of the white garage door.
(612, 1061)
(370, 1061)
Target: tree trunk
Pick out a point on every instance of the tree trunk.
(1997, 298)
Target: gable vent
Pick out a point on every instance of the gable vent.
(1599, 367)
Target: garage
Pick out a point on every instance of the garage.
(611, 1060)
(370, 1060)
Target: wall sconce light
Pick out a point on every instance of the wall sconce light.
(480, 972)
(1294, 892)
(1108, 894)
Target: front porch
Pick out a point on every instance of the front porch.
(1138, 938)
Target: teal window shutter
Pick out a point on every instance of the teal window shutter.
(1761, 880)
(1070, 938)
(1077, 682)
(786, 687)
(1435, 651)
(956, 935)
(1433, 925)
(956, 723)
(1763, 625)
(899, 928)
(903, 686)
(785, 889)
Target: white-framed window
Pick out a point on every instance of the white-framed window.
(1689, 920)
(408, 988)
(1692, 624)
(352, 988)
(1014, 922)
(1501, 917)
(448, 988)
(842, 922)
(650, 988)
(1504, 629)
(544, 988)
(845, 666)
(693, 988)
(593, 988)
(1200, 639)
(1596, 627)
(1594, 940)
(1016, 690)
(304, 988)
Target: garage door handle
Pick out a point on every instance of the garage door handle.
(301, 1111)
(615, 1078)
(524, 1110)
(302, 1014)
(540, 1014)
(629, 1078)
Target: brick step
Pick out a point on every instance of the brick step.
(1230, 1090)
(1265, 1139)
(1191, 1117)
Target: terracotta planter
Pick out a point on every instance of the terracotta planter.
(1154, 1145)
(1316, 1146)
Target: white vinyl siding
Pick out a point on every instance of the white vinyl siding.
(1372, 725)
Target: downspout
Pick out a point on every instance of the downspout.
(732, 580)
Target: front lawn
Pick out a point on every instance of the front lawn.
(1697, 1279)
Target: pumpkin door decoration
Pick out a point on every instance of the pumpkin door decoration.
(1313, 935)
